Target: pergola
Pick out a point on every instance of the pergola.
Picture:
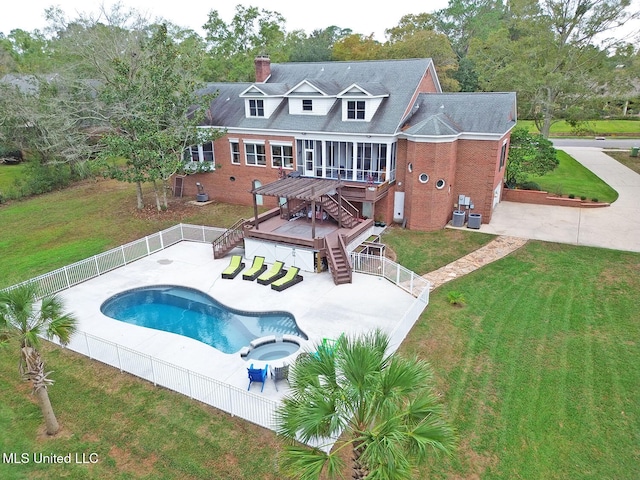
(302, 188)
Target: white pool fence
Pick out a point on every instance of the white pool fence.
(236, 401)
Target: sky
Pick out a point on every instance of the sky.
(358, 15)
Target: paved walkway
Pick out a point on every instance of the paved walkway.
(616, 227)
(492, 251)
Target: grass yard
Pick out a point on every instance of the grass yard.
(570, 177)
(539, 371)
(596, 127)
(50, 231)
(9, 173)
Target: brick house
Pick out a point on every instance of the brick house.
(400, 149)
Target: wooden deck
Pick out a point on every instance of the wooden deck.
(298, 231)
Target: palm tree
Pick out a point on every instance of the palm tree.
(24, 322)
(381, 406)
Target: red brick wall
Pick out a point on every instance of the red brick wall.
(219, 184)
(426, 207)
(476, 174)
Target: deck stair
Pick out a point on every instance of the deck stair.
(345, 213)
(339, 262)
(230, 239)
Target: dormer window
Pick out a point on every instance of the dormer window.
(256, 108)
(356, 110)
(307, 105)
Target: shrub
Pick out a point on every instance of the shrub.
(456, 298)
(40, 178)
(583, 198)
(571, 195)
(530, 186)
(594, 200)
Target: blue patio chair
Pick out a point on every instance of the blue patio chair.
(258, 375)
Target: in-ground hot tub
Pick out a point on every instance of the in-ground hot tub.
(272, 348)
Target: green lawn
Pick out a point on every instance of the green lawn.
(570, 177)
(54, 230)
(8, 175)
(539, 371)
(595, 127)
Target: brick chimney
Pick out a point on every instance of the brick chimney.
(263, 68)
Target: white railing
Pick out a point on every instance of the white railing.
(407, 280)
(236, 401)
(395, 273)
(92, 267)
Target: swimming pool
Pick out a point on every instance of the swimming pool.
(192, 313)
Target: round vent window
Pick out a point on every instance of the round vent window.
(424, 178)
(440, 184)
(410, 167)
(233, 179)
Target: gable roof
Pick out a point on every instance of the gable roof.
(398, 79)
(436, 114)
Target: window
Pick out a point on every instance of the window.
(503, 155)
(235, 152)
(282, 156)
(207, 152)
(440, 184)
(256, 108)
(307, 105)
(255, 154)
(423, 178)
(355, 109)
(199, 153)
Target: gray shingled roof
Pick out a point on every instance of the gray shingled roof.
(454, 113)
(400, 78)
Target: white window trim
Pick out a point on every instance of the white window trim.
(283, 144)
(237, 142)
(255, 142)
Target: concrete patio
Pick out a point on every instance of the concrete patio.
(321, 308)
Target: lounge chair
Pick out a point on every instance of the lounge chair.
(274, 273)
(257, 375)
(235, 267)
(291, 278)
(280, 373)
(255, 270)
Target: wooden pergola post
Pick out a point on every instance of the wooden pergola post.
(313, 213)
(255, 206)
(339, 202)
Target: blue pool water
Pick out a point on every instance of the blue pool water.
(192, 313)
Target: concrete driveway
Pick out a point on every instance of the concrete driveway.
(615, 227)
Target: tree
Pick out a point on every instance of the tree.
(22, 323)
(316, 47)
(529, 154)
(233, 46)
(553, 54)
(356, 47)
(416, 43)
(153, 109)
(380, 405)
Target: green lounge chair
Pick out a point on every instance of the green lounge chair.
(274, 273)
(255, 270)
(291, 278)
(235, 267)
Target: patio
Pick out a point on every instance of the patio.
(321, 308)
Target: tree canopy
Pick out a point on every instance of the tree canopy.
(529, 154)
(380, 406)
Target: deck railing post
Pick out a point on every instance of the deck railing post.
(153, 372)
(86, 341)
